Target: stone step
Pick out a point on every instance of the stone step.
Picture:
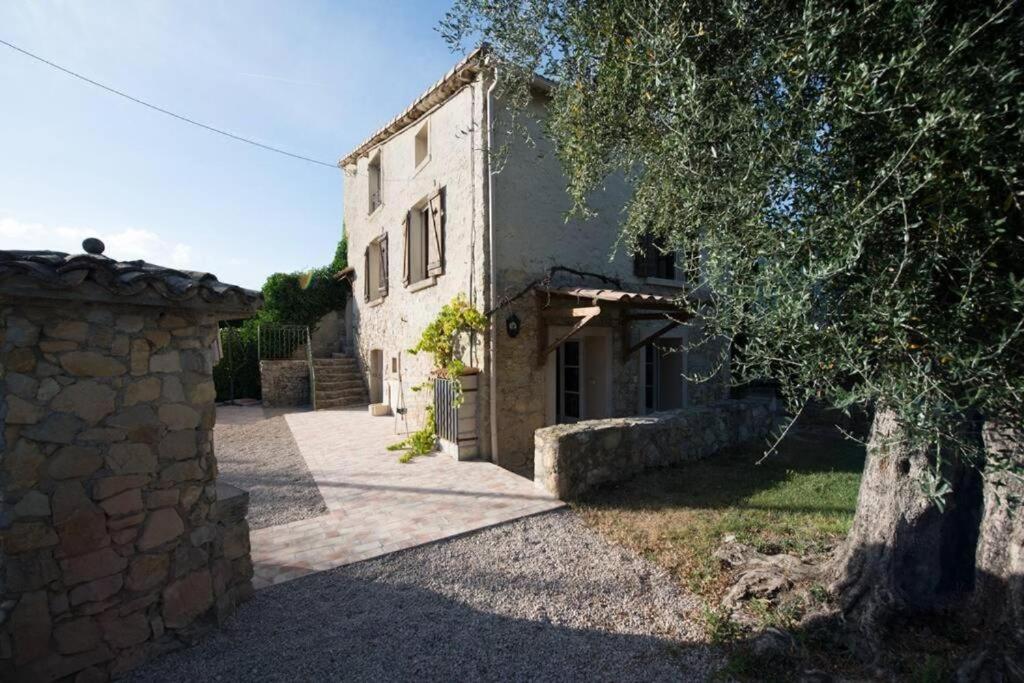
(339, 403)
(328, 376)
(344, 394)
(338, 360)
(335, 384)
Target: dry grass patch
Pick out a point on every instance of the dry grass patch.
(800, 500)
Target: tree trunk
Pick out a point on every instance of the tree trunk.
(999, 591)
(904, 554)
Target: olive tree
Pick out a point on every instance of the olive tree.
(847, 180)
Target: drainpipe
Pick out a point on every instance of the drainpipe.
(491, 295)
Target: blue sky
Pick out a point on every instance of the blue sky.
(315, 78)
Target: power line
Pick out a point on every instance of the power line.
(164, 111)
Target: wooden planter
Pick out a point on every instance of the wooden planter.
(457, 425)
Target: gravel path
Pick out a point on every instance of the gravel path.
(262, 458)
(543, 598)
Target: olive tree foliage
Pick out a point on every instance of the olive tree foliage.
(853, 174)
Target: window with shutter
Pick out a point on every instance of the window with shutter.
(406, 250)
(375, 267)
(652, 260)
(366, 274)
(435, 263)
(383, 252)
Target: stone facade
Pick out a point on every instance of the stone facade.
(117, 541)
(284, 383)
(506, 227)
(393, 324)
(572, 459)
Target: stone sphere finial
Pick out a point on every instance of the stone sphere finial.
(93, 246)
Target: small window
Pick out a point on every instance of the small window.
(423, 145)
(424, 233)
(652, 259)
(374, 172)
(375, 268)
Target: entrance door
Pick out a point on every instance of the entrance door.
(376, 376)
(567, 382)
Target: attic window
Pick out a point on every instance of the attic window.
(374, 171)
(423, 145)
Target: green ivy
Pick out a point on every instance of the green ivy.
(443, 337)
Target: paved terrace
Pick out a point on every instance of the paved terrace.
(377, 505)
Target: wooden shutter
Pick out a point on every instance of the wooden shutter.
(366, 274)
(383, 249)
(642, 259)
(406, 249)
(640, 264)
(435, 264)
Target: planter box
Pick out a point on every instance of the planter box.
(457, 425)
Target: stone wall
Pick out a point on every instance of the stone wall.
(117, 541)
(395, 323)
(574, 458)
(328, 335)
(284, 383)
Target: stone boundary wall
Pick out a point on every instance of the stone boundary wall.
(284, 383)
(571, 459)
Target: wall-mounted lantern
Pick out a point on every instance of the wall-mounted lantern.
(512, 325)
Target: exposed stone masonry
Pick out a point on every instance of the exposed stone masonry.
(574, 458)
(284, 383)
(117, 541)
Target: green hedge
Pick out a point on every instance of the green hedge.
(300, 298)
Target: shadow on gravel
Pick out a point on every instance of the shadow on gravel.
(335, 627)
(262, 458)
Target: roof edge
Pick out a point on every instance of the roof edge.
(460, 75)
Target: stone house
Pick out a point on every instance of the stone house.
(430, 215)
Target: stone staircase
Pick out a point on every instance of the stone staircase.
(339, 382)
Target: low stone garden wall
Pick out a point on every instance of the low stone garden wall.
(571, 459)
(284, 383)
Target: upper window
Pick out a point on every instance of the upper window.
(375, 181)
(423, 144)
(375, 269)
(424, 236)
(653, 260)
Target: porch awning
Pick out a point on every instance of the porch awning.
(631, 304)
(614, 296)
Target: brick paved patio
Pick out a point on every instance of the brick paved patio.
(378, 505)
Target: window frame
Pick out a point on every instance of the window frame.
(428, 134)
(375, 167)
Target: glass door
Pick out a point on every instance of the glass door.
(567, 382)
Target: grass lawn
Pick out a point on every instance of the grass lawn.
(800, 500)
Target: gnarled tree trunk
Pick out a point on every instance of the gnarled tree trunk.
(999, 589)
(904, 553)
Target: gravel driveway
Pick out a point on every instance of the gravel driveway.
(543, 598)
(257, 453)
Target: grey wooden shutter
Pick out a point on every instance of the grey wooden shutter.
(435, 264)
(406, 250)
(366, 274)
(645, 260)
(383, 245)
